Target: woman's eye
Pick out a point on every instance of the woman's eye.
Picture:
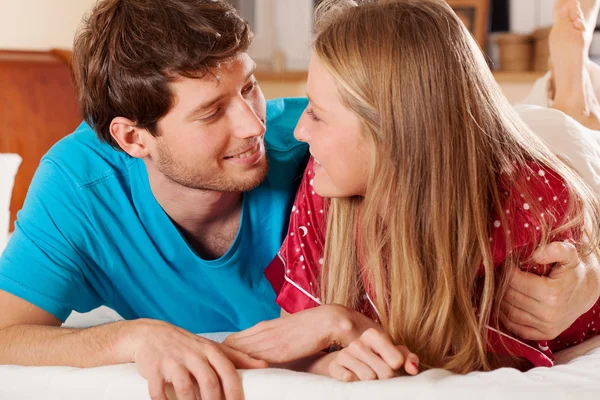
(312, 115)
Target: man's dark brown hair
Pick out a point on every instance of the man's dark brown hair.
(127, 51)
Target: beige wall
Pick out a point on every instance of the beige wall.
(40, 24)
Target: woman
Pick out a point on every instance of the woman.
(434, 189)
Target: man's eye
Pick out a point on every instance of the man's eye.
(213, 115)
(250, 88)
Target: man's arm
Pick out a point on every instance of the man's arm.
(30, 336)
(539, 307)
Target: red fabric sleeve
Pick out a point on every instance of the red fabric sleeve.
(524, 229)
(523, 221)
(295, 271)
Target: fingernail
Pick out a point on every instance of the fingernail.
(414, 364)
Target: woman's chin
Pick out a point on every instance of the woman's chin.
(322, 190)
(329, 191)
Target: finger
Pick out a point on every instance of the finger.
(257, 342)
(363, 352)
(156, 387)
(522, 331)
(241, 360)
(238, 336)
(341, 374)
(228, 376)
(209, 384)
(182, 383)
(562, 253)
(521, 317)
(384, 347)
(411, 363)
(260, 346)
(523, 302)
(243, 337)
(356, 366)
(252, 331)
(263, 326)
(529, 284)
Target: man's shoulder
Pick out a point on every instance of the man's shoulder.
(85, 158)
(287, 156)
(282, 118)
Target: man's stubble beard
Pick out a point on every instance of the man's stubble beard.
(203, 180)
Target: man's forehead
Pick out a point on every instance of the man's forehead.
(191, 96)
(240, 64)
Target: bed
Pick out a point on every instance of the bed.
(37, 108)
(578, 379)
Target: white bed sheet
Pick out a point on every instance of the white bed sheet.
(578, 379)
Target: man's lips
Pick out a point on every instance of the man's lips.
(246, 153)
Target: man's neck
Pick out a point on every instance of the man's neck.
(203, 216)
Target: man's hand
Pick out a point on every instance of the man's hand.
(165, 354)
(300, 335)
(540, 308)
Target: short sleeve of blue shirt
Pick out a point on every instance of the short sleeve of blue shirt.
(43, 261)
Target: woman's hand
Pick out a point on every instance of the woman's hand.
(296, 336)
(372, 356)
(542, 307)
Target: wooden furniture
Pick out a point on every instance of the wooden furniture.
(282, 84)
(37, 108)
(475, 15)
(516, 52)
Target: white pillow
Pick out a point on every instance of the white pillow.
(9, 164)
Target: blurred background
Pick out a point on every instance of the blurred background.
(512, 32)
(38, 102)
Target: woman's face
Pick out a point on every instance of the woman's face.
(335, 136)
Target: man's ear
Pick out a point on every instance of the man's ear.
(130, 137)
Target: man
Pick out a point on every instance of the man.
(162, 207)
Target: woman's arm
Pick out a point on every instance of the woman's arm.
(296, 336)
(372, 356)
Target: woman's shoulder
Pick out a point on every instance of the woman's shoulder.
(534, 199)
(295, 271)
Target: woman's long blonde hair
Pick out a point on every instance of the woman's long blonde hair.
(442, 133)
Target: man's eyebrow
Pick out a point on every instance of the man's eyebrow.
(208, 104)
(203, 106)
(252, 71)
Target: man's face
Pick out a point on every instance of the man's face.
(213, 137)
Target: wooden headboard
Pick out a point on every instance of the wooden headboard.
(38, 106)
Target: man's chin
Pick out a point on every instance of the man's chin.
(252, 180)
(237, 181)
(226, 180)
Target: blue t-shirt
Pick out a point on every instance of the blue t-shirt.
(91, 233)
